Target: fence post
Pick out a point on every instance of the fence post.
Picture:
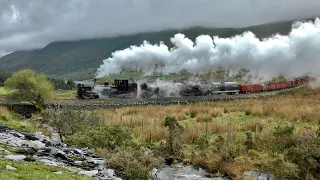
(257, 130)
(121, 123)
(229, 132)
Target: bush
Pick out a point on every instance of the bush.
(283, 135)
(102, 137)
(306, 154)
(70, 122)
(249, 141)
(135, 163)
(174, 142)
(27, 85)
(284, 130)
(203, 141)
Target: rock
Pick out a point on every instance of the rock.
(4, 151)
(154, 173)
(58, 172)
(79, 163)
(107, 172)
(40, 136)
(3, 128)
(89, 173)
(51, 162)
(97, 160)
(7, 167)
(15, 157)
(17, 134)
(258, 175)
(36, 144)
(29, 136)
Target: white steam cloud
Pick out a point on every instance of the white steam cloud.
(293, 55)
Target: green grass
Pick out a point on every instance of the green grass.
(36, 171)
(15, 124)
(64, 95)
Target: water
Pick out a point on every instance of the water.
(184, 173)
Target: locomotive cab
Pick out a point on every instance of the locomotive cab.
(85, 92)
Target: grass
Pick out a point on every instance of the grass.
(63, 95)
(36, 171)
(245, 151)
(298, 109)
(8, 119)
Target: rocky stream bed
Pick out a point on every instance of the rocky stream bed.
(51, 151)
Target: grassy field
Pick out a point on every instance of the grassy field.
(279, 134)
(263, 132)
(62, 95)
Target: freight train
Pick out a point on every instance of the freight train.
(124, 89)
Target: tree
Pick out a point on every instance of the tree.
(27, 85)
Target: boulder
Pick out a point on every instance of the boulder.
(15, 157)
(89, 173)
(7, 167)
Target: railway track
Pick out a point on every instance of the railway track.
(113, 103)
(135, 102)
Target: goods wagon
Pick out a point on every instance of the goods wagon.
(243, 89)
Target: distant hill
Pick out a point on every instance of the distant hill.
(80, 59)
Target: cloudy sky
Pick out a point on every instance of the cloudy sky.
(27, 24)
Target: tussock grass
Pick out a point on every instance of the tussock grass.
(291, 108)
(206, 126)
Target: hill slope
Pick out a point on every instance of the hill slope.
(80, 59)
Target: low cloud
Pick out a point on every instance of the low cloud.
(34, 23)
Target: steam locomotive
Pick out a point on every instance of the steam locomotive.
(124, 89)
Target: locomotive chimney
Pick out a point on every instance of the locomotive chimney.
(94, 82)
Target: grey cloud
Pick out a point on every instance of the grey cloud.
(26, 24)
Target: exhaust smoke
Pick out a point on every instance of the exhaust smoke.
(293, 55)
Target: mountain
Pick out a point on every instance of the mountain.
(80, 59)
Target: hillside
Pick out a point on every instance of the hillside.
(79, 59)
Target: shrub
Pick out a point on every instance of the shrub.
(135, 164)
(108, 137)
(70, 122)
(283, 135)
(174, 142)
(306, 154)
(249, 142)
(284, 130)
(203, 141)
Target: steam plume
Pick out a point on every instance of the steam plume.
(293, 55)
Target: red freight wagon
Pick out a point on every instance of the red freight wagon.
(280, 85)
(273, 86)
(266, 87)
(250, 88)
